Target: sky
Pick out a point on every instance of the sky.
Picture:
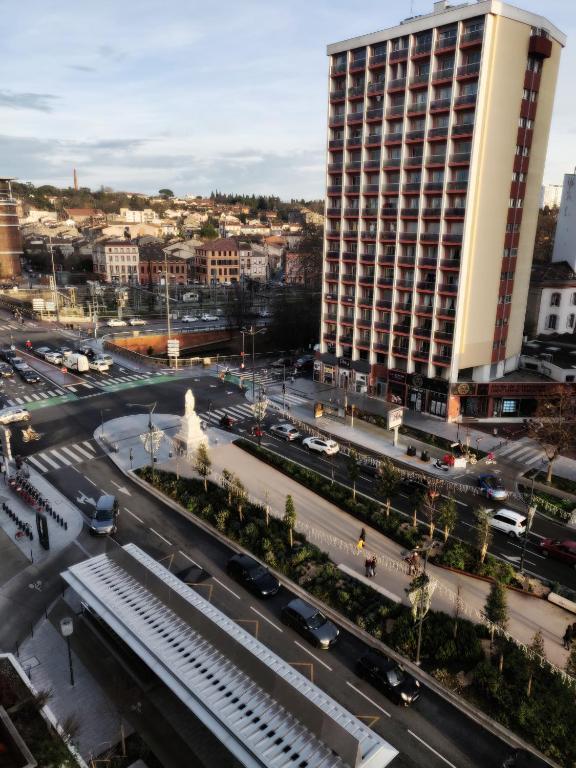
(197, 96)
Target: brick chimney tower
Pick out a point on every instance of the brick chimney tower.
(10, 238)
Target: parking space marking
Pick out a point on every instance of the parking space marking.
(431, 749)
(378, 707)
(328, 667)
(226, 588)
(161, 537)
(266, 619)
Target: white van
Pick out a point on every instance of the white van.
(190, 297)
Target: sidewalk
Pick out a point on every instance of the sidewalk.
(377, 439)
(336, 532)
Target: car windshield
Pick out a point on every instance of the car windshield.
(395, 676)
(317, 620)
(257, 572)
(102, 515)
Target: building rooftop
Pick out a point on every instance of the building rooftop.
(553, 274)
(264, 711)
(557, 349)
(220, 244)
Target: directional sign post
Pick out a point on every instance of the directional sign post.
(173, 351)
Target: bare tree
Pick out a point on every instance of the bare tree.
(554, 425)
(387, 481)
(447, 516)
(203, 463)
(537, 653)
(483, 532)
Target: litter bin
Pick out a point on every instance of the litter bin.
(411, 451)
(425, 456)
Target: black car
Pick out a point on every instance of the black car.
(29, 376)
(304, 363)
(41, 351)
(7, 354)
(6, 371)
(389, 677)
(252, 575)
(87, 351)
(310, 623)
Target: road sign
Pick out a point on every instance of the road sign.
(394, 418)
(173, 348)
(50, 306)
(38, 305)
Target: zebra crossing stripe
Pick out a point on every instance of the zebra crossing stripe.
(72, 389)
(59, 392)
(67, 450)
(89, 445)
(35, 396)
(59, 456)
(237, 412)
(11, 402)
(83, 451)
(533, 460)
(19, 400)
(45, 457)
(36, 463)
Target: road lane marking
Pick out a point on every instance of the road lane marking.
(431, 749)
(89, 445)
(83, 451)
(71, 453)
(188, 558)
(329, 668)
(133, 515)
(90, 481)
(381, 709)
(225, 587)
(45, 457)
(266, 619)
(161, 537)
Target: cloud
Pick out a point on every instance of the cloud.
(41, 102)
(80, 68)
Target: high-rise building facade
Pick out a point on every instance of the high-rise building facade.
(437, 136)
(10, 237)
(565, 238)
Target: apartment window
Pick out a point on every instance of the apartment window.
(551, 322)
(524, 122)
(518, 177)
(506, 299)
(512, 229)
(555, 299)
(529, 95)
(573, 299)
(570, 321)
(516, 202)
(533, 64)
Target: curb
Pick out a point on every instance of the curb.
(487, 579)
(457, 702)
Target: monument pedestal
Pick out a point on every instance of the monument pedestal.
(190, 435)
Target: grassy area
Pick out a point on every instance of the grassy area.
(560, 483)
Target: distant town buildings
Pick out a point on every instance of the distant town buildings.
(550, 196)
(552, 301)
(217, 261)
(116, 261)
(565, 239)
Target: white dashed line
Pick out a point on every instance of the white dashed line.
(226, 588)
(161, 537)
(90, 481)
(188, 558)
(369, 699)
(136, 517)
(431, 749)
(266, 619)
(329, 668)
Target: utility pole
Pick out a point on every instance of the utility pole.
(529, 519)
(167, 289)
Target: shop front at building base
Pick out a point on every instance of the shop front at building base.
(437, 397)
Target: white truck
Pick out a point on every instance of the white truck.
(75, 362)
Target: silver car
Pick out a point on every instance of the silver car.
(14, 414)
(285, 431)
(310, 623)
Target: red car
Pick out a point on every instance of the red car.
(560, 550)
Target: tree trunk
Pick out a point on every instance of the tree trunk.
(415, 518)
(483, 550)
(446, 533)
(529, 687)
(501, 663)
(354, 490)
(205, 483)
(431, 529)
(240, 513)
(290, 538)
(549, 472)
(387, 507)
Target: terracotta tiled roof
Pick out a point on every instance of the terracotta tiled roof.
(220, 244)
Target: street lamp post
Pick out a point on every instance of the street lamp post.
(252, 332)
(421, 606)
(529, 520)
(67, 630)
(54, 278)
(151, 407)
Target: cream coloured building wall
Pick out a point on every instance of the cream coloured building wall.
(498, 107)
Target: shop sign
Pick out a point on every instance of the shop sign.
(398, 377)
(344, 362)
(394, 417)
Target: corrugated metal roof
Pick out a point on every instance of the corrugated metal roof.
(260, 707)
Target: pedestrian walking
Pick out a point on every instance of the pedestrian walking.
(359, 546)
(363, 535)
(373, 566)
(368, 566)
(568, 636)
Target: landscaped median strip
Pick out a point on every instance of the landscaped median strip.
(448, 644)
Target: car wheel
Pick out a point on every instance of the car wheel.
(545, 553)
(512, 535)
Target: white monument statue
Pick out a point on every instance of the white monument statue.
(190, 434)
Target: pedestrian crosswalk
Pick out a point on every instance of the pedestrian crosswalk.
(262, 377)
(523, 452)
(64, 456)
(238, 412)
(34, 397)
(91, 382)
(14, 326)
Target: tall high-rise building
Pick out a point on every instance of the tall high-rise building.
(10, 238)
(437, 139)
